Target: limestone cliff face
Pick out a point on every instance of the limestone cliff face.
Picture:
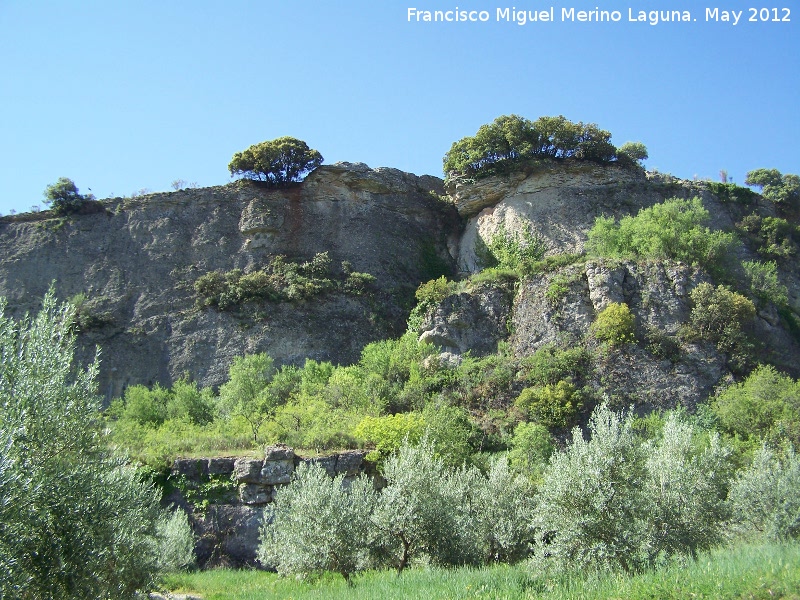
(137, 260)
(559, 203)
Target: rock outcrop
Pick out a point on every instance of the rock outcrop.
(136, 261)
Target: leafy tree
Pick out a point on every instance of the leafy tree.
(277, 161)
(764, 499)
(511, 139)
(422, 510)
(673, 229)
(318, 524)
(588, 502)
(778, 188)
(504, 516)
(531, 448)
(617, 502)
(63, 196)
(247, 394)
(76, 521)
(634, 151)
(684, 490)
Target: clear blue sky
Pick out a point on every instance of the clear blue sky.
(121, 95)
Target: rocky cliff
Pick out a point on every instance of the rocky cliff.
(136, 260)
(558, 203)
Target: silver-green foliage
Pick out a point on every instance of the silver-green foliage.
(765, 498)
(504, 515)
(76, 522)
(318, 524)
(421, 512)
(616, 502)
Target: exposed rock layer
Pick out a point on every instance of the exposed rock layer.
(137, 259)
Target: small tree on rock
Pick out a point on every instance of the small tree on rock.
(277, 161)
(63, 196)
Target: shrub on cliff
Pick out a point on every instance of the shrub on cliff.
(511, 139)
(634, 152)
(674, 229)
(277, 161)
(75, 521)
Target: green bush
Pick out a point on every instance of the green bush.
(388, 433)
(730, 192)
(451, 432)
(765, 406)
(671, 230)
(549, 365)
(774, 237)
(764, 282)
(531, 448)
(277, 161)
(280, 281)
(614, 325)
(515, 251)
(719, 314)
(551, 405)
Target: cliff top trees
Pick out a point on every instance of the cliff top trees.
(510, 139)
(277, 161)
(775, 187)
(63, 196)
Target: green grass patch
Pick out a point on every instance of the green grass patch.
(751, 572)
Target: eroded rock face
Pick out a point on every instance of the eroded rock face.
(473, 322)
(137, 260)
(559, 202)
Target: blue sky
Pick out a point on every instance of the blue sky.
(121, 96)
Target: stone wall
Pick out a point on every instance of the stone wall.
(226, 498)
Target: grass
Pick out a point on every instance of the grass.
(742, 573)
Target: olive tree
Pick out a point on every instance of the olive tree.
(615, 501)
(277, 161)
(319, 523)
(77, 522)
(764, 498)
